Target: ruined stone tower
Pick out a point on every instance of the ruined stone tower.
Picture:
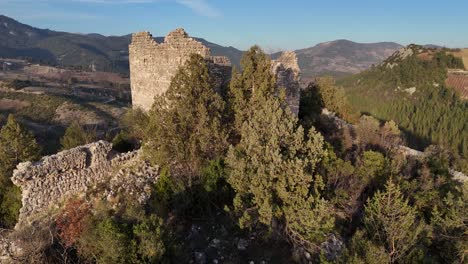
(152, 64)
(287, 72)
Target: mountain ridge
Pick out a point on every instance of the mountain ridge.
(87, 51)
(110, 53)
(342, 57)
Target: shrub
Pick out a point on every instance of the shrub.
(127, 235)
(70, 221)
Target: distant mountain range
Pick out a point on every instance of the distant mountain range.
(90, 51)
(94, 51)
(342, 57)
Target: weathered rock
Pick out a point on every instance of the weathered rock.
(242, 244)
(332, 248)
(200, 257)
(215, 243)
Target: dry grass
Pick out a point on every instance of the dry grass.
(69, 112)
(463, 53)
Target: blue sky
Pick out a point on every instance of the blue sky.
(272, 24)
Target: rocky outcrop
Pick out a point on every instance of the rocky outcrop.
(53, 179)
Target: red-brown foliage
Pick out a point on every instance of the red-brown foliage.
(70, 222)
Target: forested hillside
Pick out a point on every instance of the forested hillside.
(409, 89)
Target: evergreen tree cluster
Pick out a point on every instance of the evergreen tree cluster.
(433, 114)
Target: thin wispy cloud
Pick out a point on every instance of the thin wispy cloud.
(201, 7)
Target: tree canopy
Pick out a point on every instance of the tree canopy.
(16, 145)
(185, 128)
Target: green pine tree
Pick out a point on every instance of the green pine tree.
(392, 223)
(450, 228)
(186, 128)
(272, 172)
(16, 145)
(256, 78)
(76, 136)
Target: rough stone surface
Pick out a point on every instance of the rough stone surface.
(53, 179)
(152, 64)
(287, 72)
(332, 248)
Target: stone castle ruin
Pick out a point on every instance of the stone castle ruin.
(152, 66)
(53, 179)
(73, 172)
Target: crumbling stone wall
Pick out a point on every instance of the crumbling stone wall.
(152, 64)
(54, 178)
(287, 72)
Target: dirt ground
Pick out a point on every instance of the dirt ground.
(12, 104)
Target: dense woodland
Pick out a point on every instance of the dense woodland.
(434, 113)
(238, 166)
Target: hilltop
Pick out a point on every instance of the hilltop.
(342, 57)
